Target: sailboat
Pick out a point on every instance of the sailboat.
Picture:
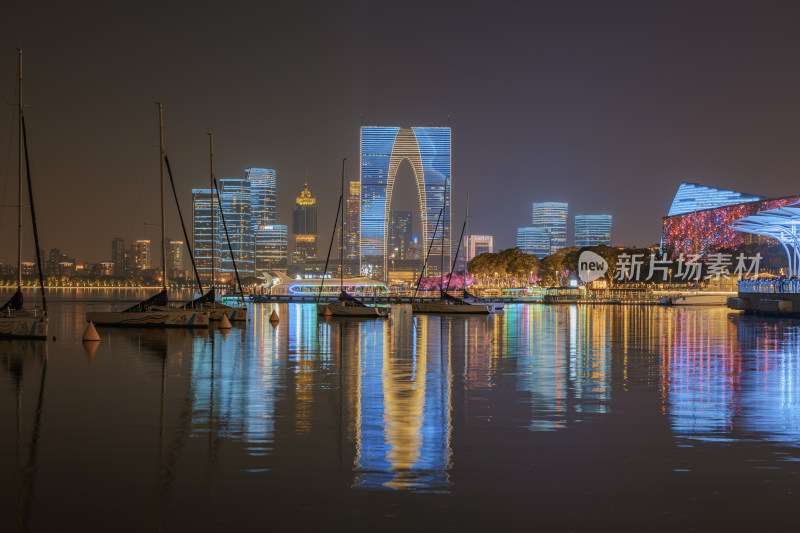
(346, 304)
(208, 301)
(15, 319)
(447, 303)
(154, 311)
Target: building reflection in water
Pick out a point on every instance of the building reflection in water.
(562, 360)
(235, 378)
(732, 376)
(403, 417)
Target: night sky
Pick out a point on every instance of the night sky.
(605, 105)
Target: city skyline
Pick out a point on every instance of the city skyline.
(607, 110)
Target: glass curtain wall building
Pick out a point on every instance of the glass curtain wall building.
(383, 148)
(536, 241)
(202, 204)
(551, 216)
(592, 230)
(249, 207)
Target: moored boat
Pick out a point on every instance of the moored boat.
(15, 319)
(155, 311)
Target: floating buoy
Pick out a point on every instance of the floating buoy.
(90, 348)
(274, 318)
(90, 335)
(224, 323)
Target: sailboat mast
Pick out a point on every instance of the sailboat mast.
(19, 180)
(211, 199)
(341, 236)
(441, 257)
(163, 215)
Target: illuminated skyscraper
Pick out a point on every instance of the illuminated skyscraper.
(236, 205)
(248, 205)
(551, 216)
(175, 258)
(536, 241)
(141, 254)
(263, 195)
(304, 227)
(478, 244)
(202, 204)
(592, 230)
(352, 218)
(400, 226)
(427, 149)
(270, 248)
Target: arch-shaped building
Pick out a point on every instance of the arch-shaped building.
(383, 148)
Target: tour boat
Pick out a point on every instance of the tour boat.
(154, 311)
(15, 319)
(346, 305)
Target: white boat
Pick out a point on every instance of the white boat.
(15, 319)
(472, 299)
(155, 312)
(346, 305)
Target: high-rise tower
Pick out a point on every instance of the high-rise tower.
(427, 149)
(304, 227)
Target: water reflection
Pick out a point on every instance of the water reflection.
(562, 360)
(21, 358)
(403, 419)
(734, 377)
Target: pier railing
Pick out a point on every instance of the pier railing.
(770, 286)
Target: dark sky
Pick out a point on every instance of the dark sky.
(605, 105)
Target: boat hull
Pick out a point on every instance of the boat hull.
(155, 318)
(452, 308)
(234, 314)
(337, 309)
(23, 327)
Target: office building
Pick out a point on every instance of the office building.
(427, 149)
(175, 256)
(304, 227)
(592, 230)
(479, 244)
(400, 226)
(204, 205)
(535, 240)
(551, 216)
(248, 205)
(142, 255)
(270, 248)
(118, 256)
(352, 221)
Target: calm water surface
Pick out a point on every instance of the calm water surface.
(551, 418)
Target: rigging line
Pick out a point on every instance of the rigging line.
(145, 172)
(227, 236)
(13, 127)
(183, 226)
(425, 264)
(33, 215)
(455, 259)
(330, 247)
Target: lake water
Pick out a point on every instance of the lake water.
(547, 418)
